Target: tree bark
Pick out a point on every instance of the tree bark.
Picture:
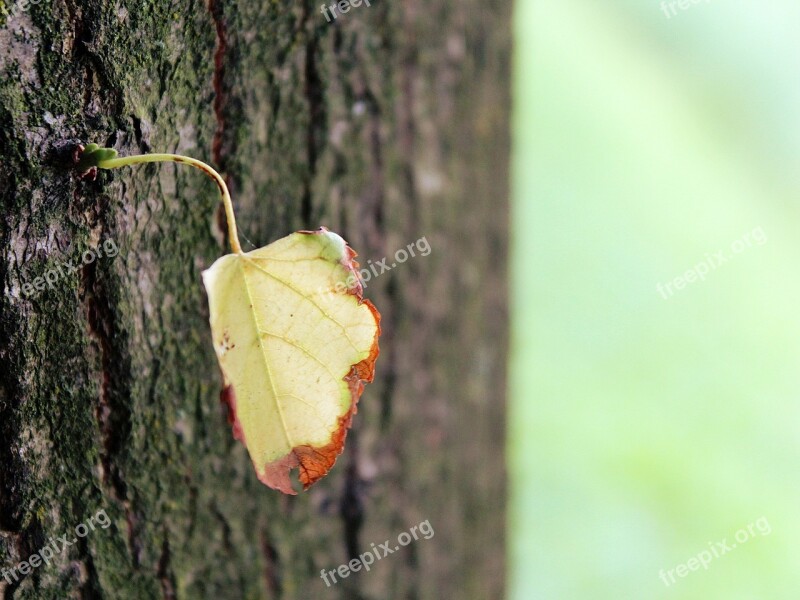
(388, 125)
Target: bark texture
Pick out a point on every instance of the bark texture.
(387, 126)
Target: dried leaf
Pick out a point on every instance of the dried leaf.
(296, 343)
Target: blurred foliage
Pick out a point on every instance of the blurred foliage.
(645, 429)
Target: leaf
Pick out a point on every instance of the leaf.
(296, 343)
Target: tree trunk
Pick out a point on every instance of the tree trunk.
(389, 125)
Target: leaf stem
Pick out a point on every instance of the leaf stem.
(105, 158)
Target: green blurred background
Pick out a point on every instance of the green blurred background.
(645, 430)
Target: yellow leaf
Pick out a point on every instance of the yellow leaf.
(295, 339)
(296, 343)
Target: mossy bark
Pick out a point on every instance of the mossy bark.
(387, 126)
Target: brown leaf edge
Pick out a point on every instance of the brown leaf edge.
(316, 462)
